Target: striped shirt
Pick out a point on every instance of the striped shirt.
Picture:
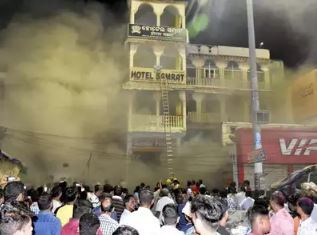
(107, 225)
(119, 207)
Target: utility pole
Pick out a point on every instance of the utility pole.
(256, 130)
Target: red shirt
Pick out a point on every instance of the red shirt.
(72, 228)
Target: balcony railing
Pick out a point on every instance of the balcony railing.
(153, 123)
(203, 117)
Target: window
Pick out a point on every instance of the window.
(210, 70)
(145, 15)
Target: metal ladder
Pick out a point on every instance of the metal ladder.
(167, 126)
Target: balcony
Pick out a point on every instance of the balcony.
(203, 117)
(153, 123)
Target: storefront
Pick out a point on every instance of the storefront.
(286, 149)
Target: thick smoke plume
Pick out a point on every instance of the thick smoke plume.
(62, 99)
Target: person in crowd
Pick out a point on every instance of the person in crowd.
(143, 219)
(107, 224)
(65, 213)
(292, 204)
(94, 197)
(170, 219)
(307, 225)
(206, 213)
(97, 211)
(34, 194)
(117, 201)
(56, 193)
(281, 221)
(81, 207)
(46, 223)
(183, 224)
(15, 223)
(136, 194)
(14, 199)
(125, 230)
(164, 200)
(259, 219)
(130, 204)
(89, 224)
(223, 220)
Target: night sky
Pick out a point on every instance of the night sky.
(284, 41)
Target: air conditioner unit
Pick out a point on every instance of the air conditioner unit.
(263, 117)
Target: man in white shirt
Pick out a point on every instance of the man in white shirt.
(130, 203)
(143, 219)
(56, 194)
(307, 225)
(170, 219)
(163, 201)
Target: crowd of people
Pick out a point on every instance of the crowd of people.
(167, 209)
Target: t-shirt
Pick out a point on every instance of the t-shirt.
(161, 203)
(65, 213)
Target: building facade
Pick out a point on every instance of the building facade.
(206, 85)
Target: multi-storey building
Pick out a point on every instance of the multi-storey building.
(207, 85)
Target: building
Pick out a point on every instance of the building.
(200, 86)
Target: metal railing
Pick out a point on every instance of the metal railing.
(144, 122)
(203, 117)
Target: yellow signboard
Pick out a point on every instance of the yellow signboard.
(304, 96)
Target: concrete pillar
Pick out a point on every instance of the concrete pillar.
(182, 96)
(198, 62)
(221, 65)
(158, 52)
(133, 50)
(246, 111)
(158, 11)
(198, 98)
(267, 78)
(245, 81)
(223, 111)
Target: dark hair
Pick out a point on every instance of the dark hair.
(209, 209)
(81, 207)
(1, 193)
(13, 222)
(104, 197)
(12, 190)
(306, 204)
(88, 224)
(117, 190)
(56, 191)
(98, 187)
(107, 188)
(127, 198)
(255, 211)
(125, 230)
(45, 201)
(70, 194)
(146, 197)
(170, 214)
(34, 194)
(202, 190)
(279, 198)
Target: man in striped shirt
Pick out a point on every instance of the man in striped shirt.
(117, 201)
(107, 224)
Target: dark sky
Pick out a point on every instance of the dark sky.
(230, 28)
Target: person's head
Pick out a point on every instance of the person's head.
(117, 191)
(45, 202)
(70, 195)
(129, 202)
(246, 183)
(304, 207)
(56, 192)
(34, 194)
(14, 223)
(98, 190)
(107, 188)
(14, 191)
(202, 190)
(81, 207)
(146, 198)
(88, 224)
(205, 211)
(106, 203)
(170, 215)
(125, 230)
(277, 201)
(259, 219)
(164, 192)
